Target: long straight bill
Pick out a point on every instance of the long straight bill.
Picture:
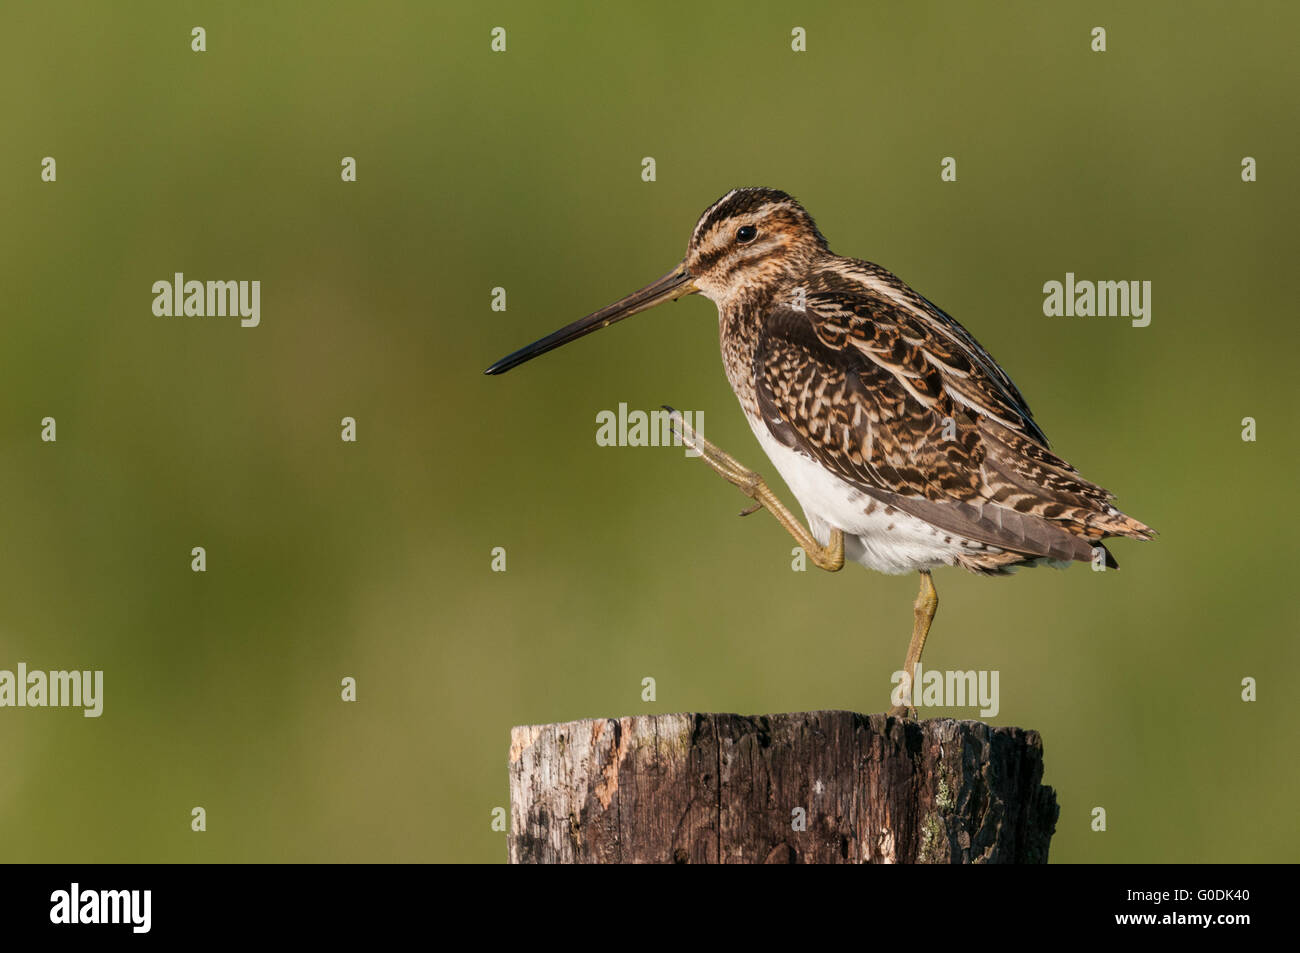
(673, 285)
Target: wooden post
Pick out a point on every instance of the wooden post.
(801, 788)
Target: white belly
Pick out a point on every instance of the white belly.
(879, 537)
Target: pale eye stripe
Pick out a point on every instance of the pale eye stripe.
(731, 255)
(723, 236)
(742, 255)
(695, 235)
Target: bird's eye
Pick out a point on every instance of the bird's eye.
(746, 234)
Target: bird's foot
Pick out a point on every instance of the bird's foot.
(723, 463)
(903, 713)
(829, 556)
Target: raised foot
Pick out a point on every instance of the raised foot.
(829, 556)
(727, 466)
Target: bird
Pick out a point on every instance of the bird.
(905, 443)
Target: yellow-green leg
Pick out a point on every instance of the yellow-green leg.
(926, 605)
(829, 557)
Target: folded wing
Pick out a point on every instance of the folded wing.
(891, 394)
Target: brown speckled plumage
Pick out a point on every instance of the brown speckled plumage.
(847, 365)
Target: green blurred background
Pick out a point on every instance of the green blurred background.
(522, 170)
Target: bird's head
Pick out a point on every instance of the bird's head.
(750, 238)
(745, 241)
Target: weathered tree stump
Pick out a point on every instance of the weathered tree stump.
(808, 787)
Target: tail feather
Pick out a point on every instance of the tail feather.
(1022, 475)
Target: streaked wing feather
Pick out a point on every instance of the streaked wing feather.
(923, 421)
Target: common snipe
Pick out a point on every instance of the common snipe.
(906, 444)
